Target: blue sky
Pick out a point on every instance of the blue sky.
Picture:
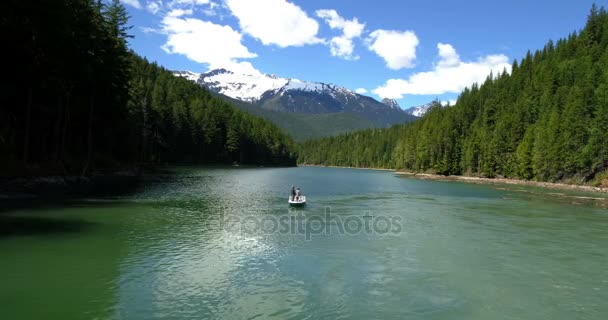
(411, 51)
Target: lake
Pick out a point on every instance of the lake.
(213, 243)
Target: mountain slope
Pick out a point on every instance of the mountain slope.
(302, 126)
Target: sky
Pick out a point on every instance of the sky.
(410, 51)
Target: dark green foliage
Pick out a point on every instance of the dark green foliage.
(547, 120)
(177, 121)
(76, 100)
(180, 122)
(367, 148)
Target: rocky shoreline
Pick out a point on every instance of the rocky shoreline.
(481, 180)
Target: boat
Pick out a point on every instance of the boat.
(300, 201)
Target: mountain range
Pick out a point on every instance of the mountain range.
(419, 111)
(302, 108)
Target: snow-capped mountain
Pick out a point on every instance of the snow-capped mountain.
(192, 76)
(244, 87)
(419, 111)
(391, 103)
(292, 95)
(253, 88)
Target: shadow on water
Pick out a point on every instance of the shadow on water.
(26, 226)
(39, 194)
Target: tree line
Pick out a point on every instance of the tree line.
(75, 99)
(547, 120)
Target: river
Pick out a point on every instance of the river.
(222, 243)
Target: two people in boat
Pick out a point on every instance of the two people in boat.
(295, 193)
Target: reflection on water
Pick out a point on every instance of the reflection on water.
(464, 252)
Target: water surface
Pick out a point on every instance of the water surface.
(195, 243)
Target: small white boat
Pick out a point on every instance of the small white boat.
(297, 201)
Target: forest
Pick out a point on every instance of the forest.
(547, 120)
(75, 100)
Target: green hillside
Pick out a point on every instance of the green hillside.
(304, 126)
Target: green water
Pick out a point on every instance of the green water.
(198, 243)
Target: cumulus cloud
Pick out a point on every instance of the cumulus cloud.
(361, 90)
(342, 46)
(211, 11)
(206, 42)
(154, 6)
(172, 7)
(179, 12)
(397, 48)
(449, 75)
(275, 22)
(132, 3)
(190, 2)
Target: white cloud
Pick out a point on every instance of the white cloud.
(191, 2)
(450, 74)
(150, 30)
(351, 28)
(275, 22)
(179, 12)
(361, 90)
(342, 46)
(448, 56)
(206, 42)
(211, 10)
(132, 3)
(187, 6)
(154, 6)
(451, 102)
(397, 48)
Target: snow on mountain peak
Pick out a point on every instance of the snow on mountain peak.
(245, 87)
(251, 87)
(393, 104)
(192, 76)
(419, 111)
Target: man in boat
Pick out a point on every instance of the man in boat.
(298, 194)
(293, 192)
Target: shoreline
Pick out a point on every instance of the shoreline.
(503, 181)
(481, 180)
(341, 167)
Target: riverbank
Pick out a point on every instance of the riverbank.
(481, 180)
(49, 186)
(360, 168)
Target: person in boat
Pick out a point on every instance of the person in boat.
(293, 192)
(298, 194)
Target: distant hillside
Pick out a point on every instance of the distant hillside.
(304, 126)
